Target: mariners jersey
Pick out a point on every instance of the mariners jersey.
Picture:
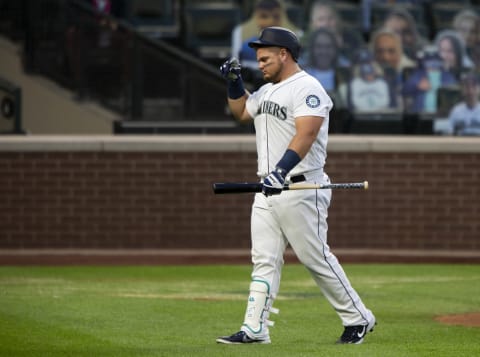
(274, 108)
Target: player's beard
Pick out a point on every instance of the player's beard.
(273, 75)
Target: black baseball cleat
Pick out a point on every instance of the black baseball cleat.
(240, 338)
(355, 334)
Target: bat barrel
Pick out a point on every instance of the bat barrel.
(236, 187)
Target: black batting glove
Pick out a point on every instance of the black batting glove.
(231, 69)
(274, 182)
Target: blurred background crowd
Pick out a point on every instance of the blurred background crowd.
(414, 57)
(390, 66)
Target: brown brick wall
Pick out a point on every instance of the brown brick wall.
(159, 199)
(419, 200)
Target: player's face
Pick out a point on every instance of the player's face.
(270, 63)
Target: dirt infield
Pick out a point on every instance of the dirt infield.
(215, 256)
(470, 319)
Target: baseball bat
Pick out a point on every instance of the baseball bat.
(243, 187)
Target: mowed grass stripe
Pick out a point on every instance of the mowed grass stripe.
(180, 310)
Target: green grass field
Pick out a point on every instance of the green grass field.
(179, 311)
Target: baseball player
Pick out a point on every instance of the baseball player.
(290, 114)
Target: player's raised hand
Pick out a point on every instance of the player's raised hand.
(231, 69)
(274, 182)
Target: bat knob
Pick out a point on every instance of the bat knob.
(365, 185)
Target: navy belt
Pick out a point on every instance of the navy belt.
(298, 178)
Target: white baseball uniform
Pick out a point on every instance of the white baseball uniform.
(299, 217)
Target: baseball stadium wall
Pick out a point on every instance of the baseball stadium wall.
(149, 198)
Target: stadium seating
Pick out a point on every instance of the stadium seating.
(203, 38)
(153, 17)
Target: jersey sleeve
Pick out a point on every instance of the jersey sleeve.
(252, 104)
(311, 100)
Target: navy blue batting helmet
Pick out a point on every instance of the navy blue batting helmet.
(278, 37)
